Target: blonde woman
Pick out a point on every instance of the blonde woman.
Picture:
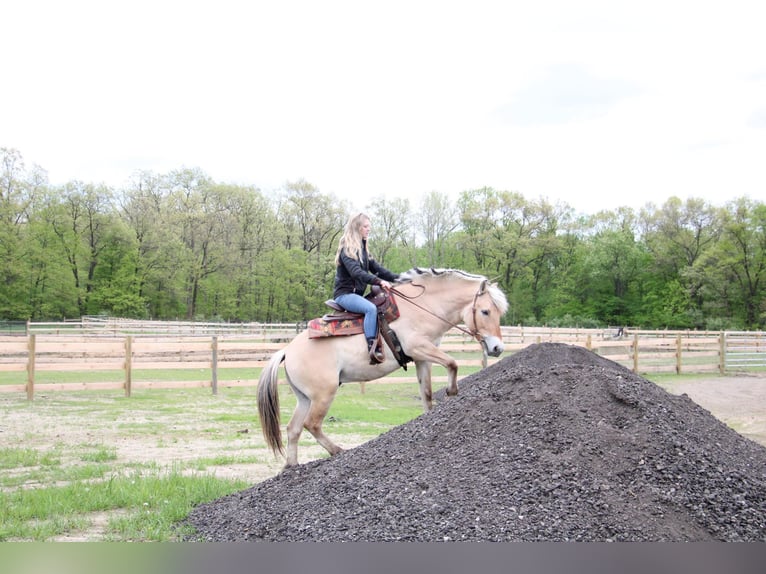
(355, 270)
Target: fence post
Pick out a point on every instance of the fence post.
(678, 354)
(128, 365)
(31, 344)
(635, 352)
(722, 353)
(214, 366)
(588, 343)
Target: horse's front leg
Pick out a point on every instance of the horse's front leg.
(423, 370)
(429, 353)
(451, 367)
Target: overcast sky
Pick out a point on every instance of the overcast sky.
(596, 104)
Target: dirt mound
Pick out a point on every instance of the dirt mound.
(553, 443)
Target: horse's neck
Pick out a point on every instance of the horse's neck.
(444, 301)
(450, 304)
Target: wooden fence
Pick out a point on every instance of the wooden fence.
(116, 353)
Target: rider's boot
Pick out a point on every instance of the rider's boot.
(375, 351)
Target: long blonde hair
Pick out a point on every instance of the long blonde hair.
(351, 240)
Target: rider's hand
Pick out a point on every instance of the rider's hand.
(385, 285)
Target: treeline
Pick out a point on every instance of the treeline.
(180, 245)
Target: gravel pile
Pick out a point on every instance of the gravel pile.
(553, 443)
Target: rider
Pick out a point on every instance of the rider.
(355, 270)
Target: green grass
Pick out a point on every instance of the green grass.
(381, 407)
(151, 504)
(31, 466)
(52, 485)
(12, 457)
(118, 376)
(170, 375)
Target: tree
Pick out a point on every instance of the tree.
(546, 247)
(518, 241)
(181, 244)
(200, 208)
(391, 224)
(736, 266)
(257, 235)
(19, 188)
(51, 291)
(478, 214)
(436, 220)
(615, 265)
(570, 296)
(313, 220)
(80, 218)
(677, 236)
(144, 207)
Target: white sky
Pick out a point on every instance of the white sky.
(599, 104)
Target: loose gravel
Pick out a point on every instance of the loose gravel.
(553, 443)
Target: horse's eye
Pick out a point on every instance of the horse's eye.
(485, 312)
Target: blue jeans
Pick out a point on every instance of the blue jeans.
(357, 304)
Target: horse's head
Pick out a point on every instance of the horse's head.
(483, 317)
(460, 296)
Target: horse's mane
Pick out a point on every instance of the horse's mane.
(498, 297)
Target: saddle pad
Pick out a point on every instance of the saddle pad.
(322, 327)
(348, 324)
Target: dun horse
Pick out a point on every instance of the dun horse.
(430, 303)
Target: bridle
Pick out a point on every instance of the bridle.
(473, 333)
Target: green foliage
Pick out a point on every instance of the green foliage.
(667, 305)
(574, 321)
(180, 245)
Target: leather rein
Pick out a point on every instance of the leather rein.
(473, 333)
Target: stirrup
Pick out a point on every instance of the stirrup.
(376, 353)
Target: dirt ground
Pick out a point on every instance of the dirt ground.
(737, 400)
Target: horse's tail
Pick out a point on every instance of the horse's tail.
(268, 403)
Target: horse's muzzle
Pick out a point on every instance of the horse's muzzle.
(493, 346)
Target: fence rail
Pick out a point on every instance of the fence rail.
(105, 326)
(116, 351)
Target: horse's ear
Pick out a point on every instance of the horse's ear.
(483, 287)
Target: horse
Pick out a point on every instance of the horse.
(431, 302)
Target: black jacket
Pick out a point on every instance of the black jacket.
(353, 276)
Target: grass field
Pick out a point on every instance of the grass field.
(96, 465)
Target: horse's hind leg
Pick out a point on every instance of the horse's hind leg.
(313, 423)
(308, 414)
(295, 427)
